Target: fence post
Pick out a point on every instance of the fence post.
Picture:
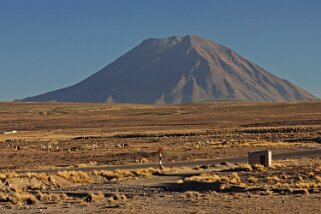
(159, 150)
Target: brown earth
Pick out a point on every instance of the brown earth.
(57, 134)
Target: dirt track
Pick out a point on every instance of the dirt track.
(281, 156)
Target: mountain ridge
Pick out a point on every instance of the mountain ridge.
(179, 69)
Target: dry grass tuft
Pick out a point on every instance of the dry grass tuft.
(75, 176)
(24, 198)
(119, 197)
(180, 181)
(311, 174)
(307, 185)
(41, 196)
(243, 167)
(192, 194)
(91, 163)
(259, 167)
(58, 197)
(95, 197)
(123, 174)
(110, 200)
(252, 179)
(144, 172)
(318, 169)
(36, 186)
(8, 174)
(144, 160)
(5, 198)
(40, 176)
(203, 178)
(273, 179)
(235, 178)
(318, 179)
(277, 165)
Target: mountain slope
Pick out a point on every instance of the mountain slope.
(179, 70)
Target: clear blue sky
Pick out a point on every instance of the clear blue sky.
(50, 44)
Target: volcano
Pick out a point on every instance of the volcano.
(175, 70)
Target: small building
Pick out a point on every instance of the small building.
(261, 157)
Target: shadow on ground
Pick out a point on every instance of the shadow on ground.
(197, 186)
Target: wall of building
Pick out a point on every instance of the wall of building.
(255, 158)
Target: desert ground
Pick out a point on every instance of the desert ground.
(57, 157)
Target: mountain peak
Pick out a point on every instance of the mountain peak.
(188, 37)
(194, 38)
(179, 69)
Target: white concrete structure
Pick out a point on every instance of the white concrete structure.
(261, 157)
(11, 132)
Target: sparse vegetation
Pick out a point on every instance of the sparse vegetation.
(259, 167)
(259, 177)
(72, 136)
(95, 197)
(75, 176)
(8, 174)
(126, 174)
(21, 197)
(252, 179)
(192, 194)
(91, 163)
(243, 167)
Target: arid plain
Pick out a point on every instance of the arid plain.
(66, 147)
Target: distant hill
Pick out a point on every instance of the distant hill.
(179, 70)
